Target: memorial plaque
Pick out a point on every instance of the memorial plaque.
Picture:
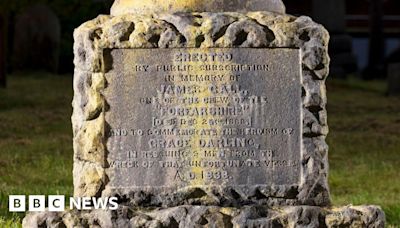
(221, 122)
(203, 117)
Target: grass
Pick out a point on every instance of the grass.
(36, 142)
(13, 222)
(364, 146)
(35, 139)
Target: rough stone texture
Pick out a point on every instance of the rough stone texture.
(121, 7)
(261, 29)
(201, 207)
(218, 217)
(280, 84)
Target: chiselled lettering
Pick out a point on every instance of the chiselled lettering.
(190, 117)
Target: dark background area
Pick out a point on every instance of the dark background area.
(35, 21)
(365, 34)
(37, 35)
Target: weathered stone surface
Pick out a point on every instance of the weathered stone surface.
(211, 128)
(94, 39)
(211, 216)
(107, 48)
(121, 7)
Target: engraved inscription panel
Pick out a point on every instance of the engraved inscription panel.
(202, 117)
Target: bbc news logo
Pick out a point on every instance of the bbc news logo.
(56, 203)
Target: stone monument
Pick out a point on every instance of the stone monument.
(203, 114)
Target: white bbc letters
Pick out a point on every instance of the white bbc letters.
(37, 203)
(56, 203)
(16, 203)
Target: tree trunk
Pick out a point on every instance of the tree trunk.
(375, 68)
(3, 27)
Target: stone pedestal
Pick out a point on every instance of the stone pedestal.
(121, 7)
(212, 216)
(201, 119)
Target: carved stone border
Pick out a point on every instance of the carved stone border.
(200, 30)
(212, 216)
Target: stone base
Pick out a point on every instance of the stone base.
(212, 216)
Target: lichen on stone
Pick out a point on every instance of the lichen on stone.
(204, 30)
